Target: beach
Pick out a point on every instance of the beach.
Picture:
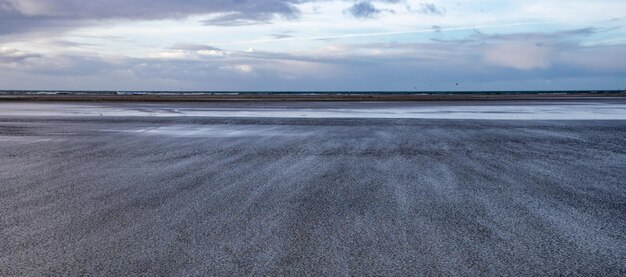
(510, 187)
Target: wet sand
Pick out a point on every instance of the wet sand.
(583, 108)
(135, 193)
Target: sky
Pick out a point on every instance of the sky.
(312, 45)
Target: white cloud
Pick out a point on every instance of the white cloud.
(246, 68)
(173, 54)
(211, 53)
(240, 68)
(519, 55)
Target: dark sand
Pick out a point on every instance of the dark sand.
(200, 196)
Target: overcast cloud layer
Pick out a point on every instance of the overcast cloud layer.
(312, 45)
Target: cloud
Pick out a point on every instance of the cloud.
(524, 51)
(519, 55)
(13, 56)
(239, 19)
(514, 61)
(363, 9)
(194, 47)
(190, 51)
(431, 9)
(240, 68)
(539, 37)
(433, 29)
(140, 9)
(281, 36)
(36, 15)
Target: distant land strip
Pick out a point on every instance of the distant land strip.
(166, 96)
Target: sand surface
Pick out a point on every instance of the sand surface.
(124, 194)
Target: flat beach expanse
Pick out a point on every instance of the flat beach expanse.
(526, 187)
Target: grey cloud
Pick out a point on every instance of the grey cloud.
(259, 16)
(194, 47)
(8, 55)
(239, 19)
(363, 10)
(431, 9)
(561, 35)
(67, 43)
(36, 15)
(140, 9)
(281, 36)
(560, 38)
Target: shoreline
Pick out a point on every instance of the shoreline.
(554, 109)
(304, 97)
